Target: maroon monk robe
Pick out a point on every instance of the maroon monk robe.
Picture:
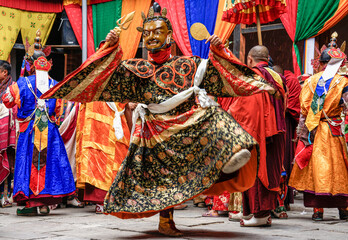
(292, 115)
(294, 90)
(261, 198)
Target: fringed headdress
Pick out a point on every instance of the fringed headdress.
(330, 51)
(333, 56)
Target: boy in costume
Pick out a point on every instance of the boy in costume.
(42, 170)
(182, 143)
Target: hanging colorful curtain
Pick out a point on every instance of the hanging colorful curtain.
(13, 20)
(48, 6)
(74, 13)
(323, 15)
(105, 16)
(32, 21)
(204, 12)
(176, 14)
(184, 13)
(244, 11)
(289, 21)
(97, 1)
(130, 38)
(223, 29)
(179, 12)
(89, 2)
(104, 19)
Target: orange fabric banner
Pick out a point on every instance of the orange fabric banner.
(223, 29)
(341, 12)
(99, 158)
(130, 38)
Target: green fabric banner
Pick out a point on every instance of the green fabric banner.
(311, 17)
(105, 16)
(298, 57)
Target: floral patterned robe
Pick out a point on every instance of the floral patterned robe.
(177, 155)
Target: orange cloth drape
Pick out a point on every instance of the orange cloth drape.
(130, 38)
(99, 158)
(341, 12)
(223, 29)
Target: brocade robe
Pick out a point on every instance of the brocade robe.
(324, 177)
(42, 170)
(176, 155)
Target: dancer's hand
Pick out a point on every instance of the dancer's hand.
(132, 106)
(273, 92)
(112, 37)
(214, 40)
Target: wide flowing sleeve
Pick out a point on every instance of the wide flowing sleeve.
(226, 76)
(124, 86)
(11, 97)
(101, 77)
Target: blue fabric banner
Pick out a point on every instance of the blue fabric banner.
(204, 12)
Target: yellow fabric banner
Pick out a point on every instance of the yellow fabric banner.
(32, 21)
(10, 21)
(13, 20)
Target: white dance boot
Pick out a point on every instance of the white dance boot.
(256, 222)
(237, 161)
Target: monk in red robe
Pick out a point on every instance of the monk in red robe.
(262, 115)
(292, 115)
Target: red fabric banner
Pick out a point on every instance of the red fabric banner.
(37, 179)
(74, 13)
(177, 16)
(289, 18)
(49, 6)
(289, 21)
(244, 11)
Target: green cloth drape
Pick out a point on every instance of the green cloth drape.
(311, 17)
(105, 16)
